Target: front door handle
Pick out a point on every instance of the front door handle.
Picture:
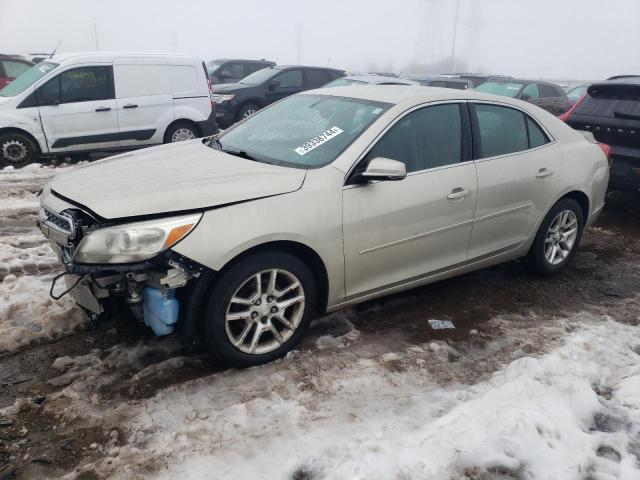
(103, 109)
(458, 193)
(131, 105)
(543, 172)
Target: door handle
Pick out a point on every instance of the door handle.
(543, 172)
(131, 105)
(458, 193)
(103, 109)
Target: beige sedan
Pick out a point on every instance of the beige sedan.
(325, 199)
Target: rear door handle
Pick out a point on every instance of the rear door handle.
(543, 172)
(131, 105)
(103, 109)
(458, 193)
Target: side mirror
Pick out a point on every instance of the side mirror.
(273, 84)
(381, 168)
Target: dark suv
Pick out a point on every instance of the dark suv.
(235, 101)
(546, 95)
(611, 111)
(233, 70)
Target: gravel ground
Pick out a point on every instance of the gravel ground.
(73, 391)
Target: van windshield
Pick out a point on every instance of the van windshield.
(27, 79)
(302, 131)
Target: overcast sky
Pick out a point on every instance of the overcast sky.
(588, 39)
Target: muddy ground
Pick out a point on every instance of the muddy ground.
(604, 278)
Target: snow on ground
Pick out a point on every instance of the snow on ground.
(27, 313)
(348, 413)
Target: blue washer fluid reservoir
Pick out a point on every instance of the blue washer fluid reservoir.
(159, 314)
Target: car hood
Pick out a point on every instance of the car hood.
(231, 87)
(171, 178)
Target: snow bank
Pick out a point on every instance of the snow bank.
(573, 413)
(28, 314)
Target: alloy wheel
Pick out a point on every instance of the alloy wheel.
(561, 237)
(265, 311)
(249, 112)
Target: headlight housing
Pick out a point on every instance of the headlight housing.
(219, 98)
(134, 242)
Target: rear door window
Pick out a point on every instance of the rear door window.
(501, 130)
(547, 91)
(537, 137)
(317, 78)
(290, 79)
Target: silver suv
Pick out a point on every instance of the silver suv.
(325, 199)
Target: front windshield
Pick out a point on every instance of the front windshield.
(27, 79)
(302, 131)
(344, 82)
(261, 76)
(504, 89)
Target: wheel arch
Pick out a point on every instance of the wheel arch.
(582, 199)
(249, 101)
(5, 130)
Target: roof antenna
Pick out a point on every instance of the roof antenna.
(328, 61)
(55, 50)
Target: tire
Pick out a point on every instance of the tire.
(564, 216)
(246, 111)
(181, 131)
(17, 150)
(232, 342)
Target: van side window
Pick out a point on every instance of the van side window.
(502, 130)
(84, 84)
(426, 138)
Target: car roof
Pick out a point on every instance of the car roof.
(375, 79)
(628, 79)
(11, 57)
(284, 67)
(262, 60)
(396, 94)
(95, 57)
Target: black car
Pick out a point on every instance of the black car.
(546, 95)
(477, 78)
(233, 70)
(235, 101)
(611, 111)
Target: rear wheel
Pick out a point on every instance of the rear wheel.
(17, 150)
(259, 309)
(180, 132)
(558, 237)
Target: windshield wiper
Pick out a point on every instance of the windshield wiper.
(629, 116)
(237, 153)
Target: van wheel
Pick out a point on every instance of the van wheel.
(247, 111)
(259, 309)
(180, 132)
(17, 150)
(558, 238)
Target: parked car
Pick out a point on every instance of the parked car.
(576, 93)
(11, 68)
(440, 81)
(610, 110)
(234, 70)
(368, 80)
(97, 101)
(477, 78)
(323, 200)
(543, 94)
(236, 101)
(36, 57)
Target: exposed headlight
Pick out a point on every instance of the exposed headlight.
(219, 98)
(134, 242)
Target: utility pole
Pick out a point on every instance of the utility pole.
(455, 35)
(299, 41)
(95, 35)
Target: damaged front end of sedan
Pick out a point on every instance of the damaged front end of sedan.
(116, 263)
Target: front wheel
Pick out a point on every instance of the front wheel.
(247, 111)
(17, 150)
(259, 309)
(558, 237)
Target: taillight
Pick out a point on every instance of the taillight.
(213, 102)
(565, 116)
(606, 149)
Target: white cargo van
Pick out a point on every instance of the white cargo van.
(99, 101)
